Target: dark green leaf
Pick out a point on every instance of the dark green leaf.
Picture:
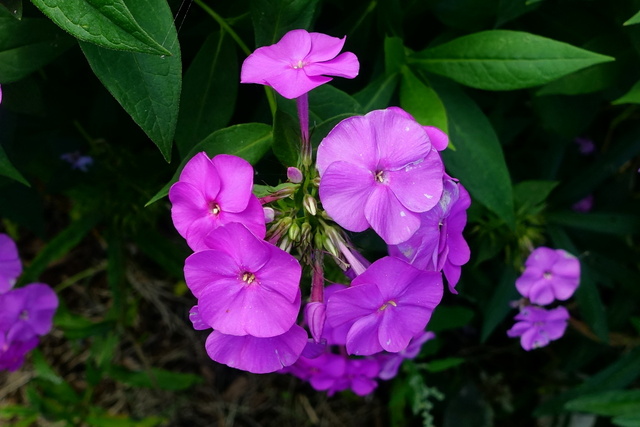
(7, 169)
(592, 79)
(273, 18)
(378, 93)
(156, 377)
(608, 403)
(107, 24)
(498, 307)
(286, 139)
(440, 365)
(623, 224)
(627, 421)
(478, 160)
(28, 45)
(165, 253)
(394, 56)
(209, 92)
(505, 60)
(13, 6)
(147, 86)
(528, 195)
(509, 10)
(248, 140)
(59, 246)
(422, 102)
(445, 318)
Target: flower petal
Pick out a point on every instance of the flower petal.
(324, 47)
(388, 217)
(418, 186)
(236, 178)
(352, 141)
(345, 65)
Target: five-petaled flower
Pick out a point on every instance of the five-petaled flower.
(537, 326)
(299, 62)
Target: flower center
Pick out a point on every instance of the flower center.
(380, 176)
(248, 277)
(299, 65)
(214, 208)
(386, 304)
(24, 315)
(547, 275)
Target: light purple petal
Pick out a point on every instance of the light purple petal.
(201, 173)
(399, 141)
(196, 320)
(388, 217)
(344, 190)
(418, 186)
(281, 274)
(324, 47)
(315, 315)
(10, 265)
(236, 178)
(351, 141)
(439, 139)
(541, 292)
(362, 339)
(296, 45)
(208, 266)
(348, 305)
(262, 64)
(257, 355)
(295, 82)
(252, 217)
(248, 251)
(345, 65)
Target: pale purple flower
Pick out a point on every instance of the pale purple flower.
(315, 315)
(585, 146)
(13, 351)
(536, 326)
(257, 355)
(390, 362)
(379, 171)
(78, 161)
(10, 265)
(215, 192)
(299, 62)
(294, 175)
(385, 307)
(439, 139)
(244, 285)
(550, 274)
(583, 205)
(439, 245)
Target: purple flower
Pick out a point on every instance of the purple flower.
(257, 355)
(13, 351)
(78, 161)
(585, 146)
(549, 275)
(439, 245)
(536, 326)
(583, 205)
(390, 363)
(244, 285)
(385, 307)
(214, 192)
(10, 265)
(299, 62)
(439, 139)
(379, 171)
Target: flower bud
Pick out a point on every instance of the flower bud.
(315, 313)
(310, 204)
(269, 214)
(294, 175)
(305, 232)
(294, 232)
(286, 244)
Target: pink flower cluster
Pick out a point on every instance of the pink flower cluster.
(549, 275)
(381, 171)
(25, 313)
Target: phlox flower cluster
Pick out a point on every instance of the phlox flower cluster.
(549, 275)
(381, 171)
(25, 313)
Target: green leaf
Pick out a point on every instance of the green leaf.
(608, 403)
(445, 318)
(248, 140)
(592, 79)
(28, 45)
(210, 87)
(635, 19)
(613, 223)
(75, 326)
(627, 420)
(498, 307)
(378, 93)
(440, 365)
(147, 86)
(286, 139)
(505, 60)
(43, 370)
(13, 6)
(529, 195)
(422, 102)
(107, 24)
(7, 169)
(616, 376)
(273, 18)
(394, 55)
(478, 160)
(59, 246)
(99, 418)
(156, 377)
(631, 97)
(165, 253)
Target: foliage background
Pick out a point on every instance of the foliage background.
(137, 83)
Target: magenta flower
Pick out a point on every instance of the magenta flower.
(536, 326)
(549, 275)
(385, 307)
(13, 351)
(390, 363)
(244, 285)
(257, 355)
(379, 171)
(583, 205)
(10, 265)
(299, 62)
(439, 245)
(214, 192)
